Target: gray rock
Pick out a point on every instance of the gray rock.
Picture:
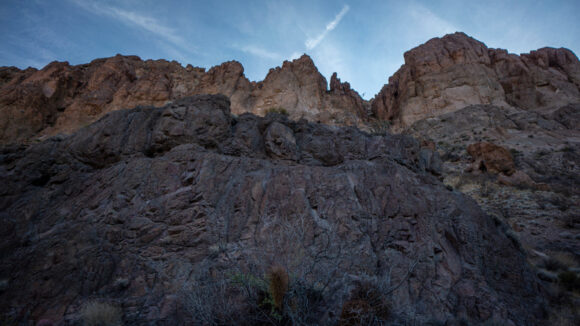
(163, 196)
(280, 142)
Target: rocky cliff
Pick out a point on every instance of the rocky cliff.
(446, 74)
(148, 208)
(184, 209)
(61, 98)
(520, 166)
(443, 75)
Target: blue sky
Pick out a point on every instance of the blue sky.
(363, 41)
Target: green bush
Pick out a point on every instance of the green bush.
(277, 110)
(381, 127)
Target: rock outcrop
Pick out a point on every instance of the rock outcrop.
(489, 157)
(526, 172)
(62, 98)
(147, 208)
(446, 74)
(443, 75)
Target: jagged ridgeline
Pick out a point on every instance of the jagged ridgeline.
(145, 193)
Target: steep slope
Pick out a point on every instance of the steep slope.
(523, 168)
(61, 98)
(171, 212)
(507, 128)
(446, 74)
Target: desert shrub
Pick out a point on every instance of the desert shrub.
(282, 279)
(96, 313)
(213, 297)
(248, 297)
(515, 152)
(296, 272)
(277, 110)
(278, 285)
(381, 127)
(367, 306)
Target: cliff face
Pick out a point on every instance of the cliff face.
(446, 74)
(177, 211)
(148, 208)
(61, 98)
(529, 175)
(443, 75)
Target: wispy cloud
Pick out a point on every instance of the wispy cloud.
(428, 24)
(138, 20)
(261, 52)
(311, 43)
(294, 55)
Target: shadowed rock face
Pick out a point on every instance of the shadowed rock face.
(540, 199)
(131, 207)
(62, 98)
(136, 206)
(446, 74)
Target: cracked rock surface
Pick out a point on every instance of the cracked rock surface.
(131, 208)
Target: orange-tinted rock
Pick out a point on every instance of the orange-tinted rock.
(348, 99)
(521, 179)
(446, 74)
(62, 98)
(489, 157)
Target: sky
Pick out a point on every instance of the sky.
(363, 41)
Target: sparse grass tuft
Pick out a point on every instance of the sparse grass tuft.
(381, 127)
(515, 152)
(277, 110)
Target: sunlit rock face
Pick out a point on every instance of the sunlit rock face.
(443, 75)
(60, 98)
(446, 74)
